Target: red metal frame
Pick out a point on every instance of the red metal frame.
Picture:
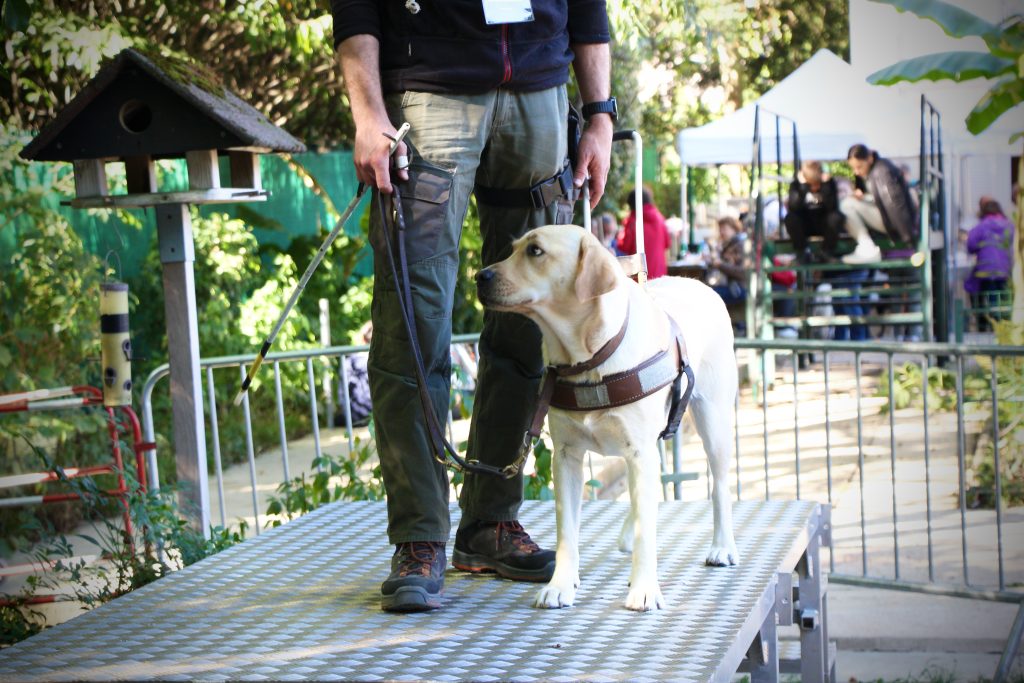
(84, 396)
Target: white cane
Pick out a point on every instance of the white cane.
(587, 220)
(262, 355)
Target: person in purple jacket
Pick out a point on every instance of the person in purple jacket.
(482, 84)
(991, 242)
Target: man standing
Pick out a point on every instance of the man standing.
(482, 84)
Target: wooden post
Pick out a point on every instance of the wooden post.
(90, 178)
(177, 253)
(203, 170)
(245, 170)
(140, 174)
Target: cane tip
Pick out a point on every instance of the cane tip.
(239, 397)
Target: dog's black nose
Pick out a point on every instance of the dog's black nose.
(485, 275)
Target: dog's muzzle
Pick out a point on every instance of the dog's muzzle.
(485, 285)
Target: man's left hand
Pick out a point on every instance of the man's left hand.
(594, 158)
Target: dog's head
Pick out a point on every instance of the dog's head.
(555, 265)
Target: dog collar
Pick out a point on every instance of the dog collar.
(603, 354)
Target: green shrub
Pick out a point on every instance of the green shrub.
(354, 477)
(908, 388)
(1009, 423)
(162, 542)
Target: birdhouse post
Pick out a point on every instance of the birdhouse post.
(138, 109)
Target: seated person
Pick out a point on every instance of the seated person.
(813, 210)
(880, 202)
(727, 269)
(991, 242)
(356, 391)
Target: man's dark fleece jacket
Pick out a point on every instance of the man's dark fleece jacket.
(447, 47)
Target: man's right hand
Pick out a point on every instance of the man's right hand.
(373, 165)
(359, 57)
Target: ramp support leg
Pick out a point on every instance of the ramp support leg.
(811, 615)
(764, 652)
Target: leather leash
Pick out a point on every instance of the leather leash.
(443, 451)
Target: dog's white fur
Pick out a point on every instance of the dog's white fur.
(564, 280)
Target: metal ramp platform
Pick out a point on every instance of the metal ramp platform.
(302, 602)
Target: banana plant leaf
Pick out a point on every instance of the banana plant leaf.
(956, 66)
(956, 22)
(1003, 40)
(1006, 94)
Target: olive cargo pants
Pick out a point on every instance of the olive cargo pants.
(499, 139)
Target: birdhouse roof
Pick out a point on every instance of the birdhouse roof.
(214, 117)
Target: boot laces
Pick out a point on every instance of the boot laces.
(418, 558)
(517, 535)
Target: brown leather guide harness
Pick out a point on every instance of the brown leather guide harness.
(621, 388)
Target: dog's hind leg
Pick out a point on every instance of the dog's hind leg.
(567, 471)
(713, 417)
(644, 481)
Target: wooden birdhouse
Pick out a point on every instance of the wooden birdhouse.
(138, 109)
(142, 107)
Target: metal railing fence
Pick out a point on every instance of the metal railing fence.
(813, 422)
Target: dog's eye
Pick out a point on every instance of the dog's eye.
(534, 250)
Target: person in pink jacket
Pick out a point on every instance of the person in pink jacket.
(656, 236)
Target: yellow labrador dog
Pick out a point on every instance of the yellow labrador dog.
(562, 278)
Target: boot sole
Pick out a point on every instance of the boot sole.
(410, 599)
(481, 564)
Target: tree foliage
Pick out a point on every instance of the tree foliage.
(275, 54)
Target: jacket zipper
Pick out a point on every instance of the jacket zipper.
(506, 58)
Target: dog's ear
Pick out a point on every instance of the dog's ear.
(597, 272)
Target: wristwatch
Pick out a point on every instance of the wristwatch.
(609, 106)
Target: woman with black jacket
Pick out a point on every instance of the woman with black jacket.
(880, 202)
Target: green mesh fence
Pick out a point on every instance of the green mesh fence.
(293, 209)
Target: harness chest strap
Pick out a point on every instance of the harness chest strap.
(621, 388)
(665, 367)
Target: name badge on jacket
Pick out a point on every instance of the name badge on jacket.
(507, 11)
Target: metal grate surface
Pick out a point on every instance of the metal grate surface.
(302, 602)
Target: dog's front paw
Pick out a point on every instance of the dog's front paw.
(644, 596)
(556, 594)
(722, 555)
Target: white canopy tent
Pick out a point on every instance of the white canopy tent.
(834, 107)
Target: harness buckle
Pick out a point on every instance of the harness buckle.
(550, 190)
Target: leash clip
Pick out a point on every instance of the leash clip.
(512, 469)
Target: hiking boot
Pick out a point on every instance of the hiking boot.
(417, 578)
(502, 547)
